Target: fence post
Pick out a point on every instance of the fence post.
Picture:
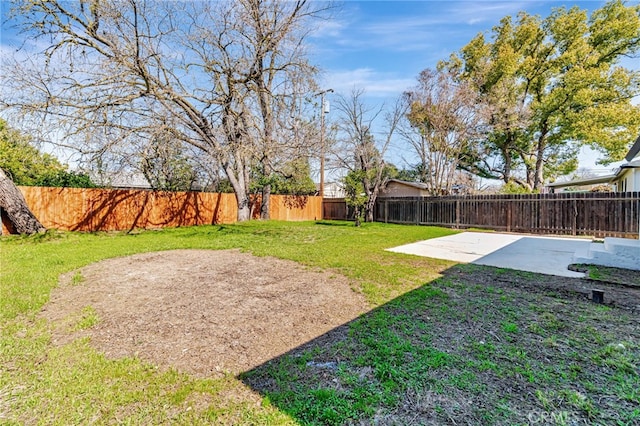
(417, 212)
(386, 210)
(457, 213)
(574, 220)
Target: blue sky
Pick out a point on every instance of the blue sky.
(381, 46)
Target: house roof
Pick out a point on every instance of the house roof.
(418, 185)
(634, 151)
(631, 165)
(124, 180)
(580, 182)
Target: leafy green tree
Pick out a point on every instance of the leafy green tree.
(27, 166)
(549, 86)
(66, 179)
(221, 186)
(23, 162)
(355, 195)
(410, 174)
(511, 187)
(294, 179)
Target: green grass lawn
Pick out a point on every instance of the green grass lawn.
(440, 343)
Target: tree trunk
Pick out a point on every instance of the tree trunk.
(370, 206)
(357, 214)
(265, 205)
(244, 208)
(538, 177)
(12, 202)
(506, 175)
(238, 179)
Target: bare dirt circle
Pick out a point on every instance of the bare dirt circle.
(203, 312)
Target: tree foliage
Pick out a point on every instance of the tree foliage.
(355, 195)
(26, 165)
(66, 179)
(549, 86)
(294, 179)
(22, 161)
(165, 165)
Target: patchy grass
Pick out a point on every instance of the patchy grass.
(477, 352)
(443, 343)
(43, 383)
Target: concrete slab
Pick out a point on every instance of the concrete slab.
(546, 255)
(615, 252)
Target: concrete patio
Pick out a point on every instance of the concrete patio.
(545, 255)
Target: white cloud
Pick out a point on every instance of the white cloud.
(329, 28)
(376, 84)
(399, 35)
(472, 13)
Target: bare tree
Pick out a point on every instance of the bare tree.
(279, 76)
(114, 71)
(358, 151)
(443, 122)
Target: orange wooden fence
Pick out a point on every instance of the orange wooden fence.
(79, 209)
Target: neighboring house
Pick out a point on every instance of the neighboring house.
(400, 188)
(625, 179)
(332, 190)
(628, 179)
(122, 180)
(129, 180)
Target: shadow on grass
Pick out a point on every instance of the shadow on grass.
(334, 223)
(472, 346)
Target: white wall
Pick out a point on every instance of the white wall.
(629, 181)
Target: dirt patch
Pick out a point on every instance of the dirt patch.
(202, 312)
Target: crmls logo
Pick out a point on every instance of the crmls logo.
(560, 417)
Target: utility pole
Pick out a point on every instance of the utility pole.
(324, 109)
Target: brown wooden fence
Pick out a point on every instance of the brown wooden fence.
(335, 209)
(76, 209)
(593, 214)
